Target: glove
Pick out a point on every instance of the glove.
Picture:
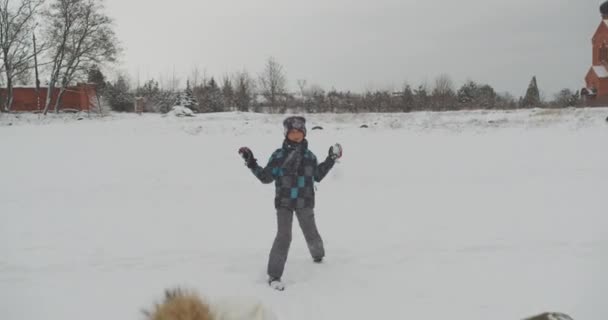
(247, 155)
(335, 152)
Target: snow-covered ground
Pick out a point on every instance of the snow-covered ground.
(458, 215)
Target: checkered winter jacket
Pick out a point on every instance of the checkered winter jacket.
(294, 169)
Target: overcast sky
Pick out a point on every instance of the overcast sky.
(358, 45)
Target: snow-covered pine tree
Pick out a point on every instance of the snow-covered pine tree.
(186, 99)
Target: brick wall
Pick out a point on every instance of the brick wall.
(80, 97)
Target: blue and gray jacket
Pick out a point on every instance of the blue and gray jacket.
(294, 169)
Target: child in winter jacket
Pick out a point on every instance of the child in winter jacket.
(294, 169)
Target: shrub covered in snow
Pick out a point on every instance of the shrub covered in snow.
(181, 111)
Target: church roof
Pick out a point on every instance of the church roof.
(600, 71)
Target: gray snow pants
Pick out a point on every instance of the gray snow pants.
(280, 248)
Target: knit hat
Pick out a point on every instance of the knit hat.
(294, 123)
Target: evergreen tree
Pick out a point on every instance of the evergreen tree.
(242, 96)
(96, 77)
(474, 96)
(407, 99)
(228, 95)
(532, 97)
(119, 96)
(156, 99)
(186, 99)
(163, 102)
(467, 95)
(421, 98)
(210, 97)
(148, 90)
(486, 97)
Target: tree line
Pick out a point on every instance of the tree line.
(267, 92)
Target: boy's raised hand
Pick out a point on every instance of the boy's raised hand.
(335, 151)
(247, 155)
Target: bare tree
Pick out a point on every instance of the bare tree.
(196, 74)
(16, 26)
(302, 86)
(82, 35)
(443, 95)
(314, 89)
(273, 81)
(443, 85)
(566, 98)
(244, 91)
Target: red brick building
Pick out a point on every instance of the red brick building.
(596, 81)
(82, 97)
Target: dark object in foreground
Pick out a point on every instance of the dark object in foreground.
(551, 316)
(364, 126)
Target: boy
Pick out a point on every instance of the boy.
(294, 169)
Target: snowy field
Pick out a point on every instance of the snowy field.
(460, 215)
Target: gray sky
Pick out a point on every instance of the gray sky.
(358, 45)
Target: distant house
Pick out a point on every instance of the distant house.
(81, 97)
(596, 89)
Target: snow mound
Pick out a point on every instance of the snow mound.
(181, 111)
(241, 308)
